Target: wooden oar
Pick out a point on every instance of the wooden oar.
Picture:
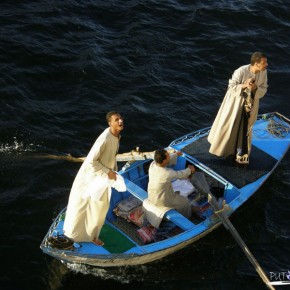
(128, 156)
(201, 183)
(229, 226)
(59, 157)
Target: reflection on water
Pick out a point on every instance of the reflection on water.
(56, 274)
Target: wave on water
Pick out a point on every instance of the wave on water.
(16, 147)
(118, 274)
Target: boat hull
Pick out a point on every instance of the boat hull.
(121, 260)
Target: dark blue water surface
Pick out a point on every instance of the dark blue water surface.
(165, 66)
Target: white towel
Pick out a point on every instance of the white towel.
(102, 182)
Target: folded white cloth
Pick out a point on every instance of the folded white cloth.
(102, 182)
(184, 186)
(118, 184)
(154, 214)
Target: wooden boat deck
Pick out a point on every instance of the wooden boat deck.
(129, 229)
(260, 163)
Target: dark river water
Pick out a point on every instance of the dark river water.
(165, 66)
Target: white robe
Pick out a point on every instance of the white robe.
(85, 216)
(161, 193)
(224, 131)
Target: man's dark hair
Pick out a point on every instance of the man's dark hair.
(110, 114)
(160, 155)
(256, 57)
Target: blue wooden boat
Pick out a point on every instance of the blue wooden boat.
(234, 185)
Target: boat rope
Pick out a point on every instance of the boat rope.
(277, 129)
(60, 242)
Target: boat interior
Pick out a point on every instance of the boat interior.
(126, 214)
(226, 188)
(126, 225)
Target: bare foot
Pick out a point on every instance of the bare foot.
(98, 242)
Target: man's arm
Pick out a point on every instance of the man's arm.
(262, 88)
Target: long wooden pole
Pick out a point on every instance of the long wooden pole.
(229, 226)
(128, 156)
(59, 157)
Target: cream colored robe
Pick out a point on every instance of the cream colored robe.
(160, 191)
(224, 131)
(84, 216)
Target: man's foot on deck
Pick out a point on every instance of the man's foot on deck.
(98, 242)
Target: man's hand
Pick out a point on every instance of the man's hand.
(250, 84)
(112, 175)
(192, 168)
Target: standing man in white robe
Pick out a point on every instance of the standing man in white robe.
(160, 191)
(85, 216)
(226, 129)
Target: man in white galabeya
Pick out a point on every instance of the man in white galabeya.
(85, 216)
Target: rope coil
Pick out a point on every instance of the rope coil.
(278, 130)
(60, 242)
